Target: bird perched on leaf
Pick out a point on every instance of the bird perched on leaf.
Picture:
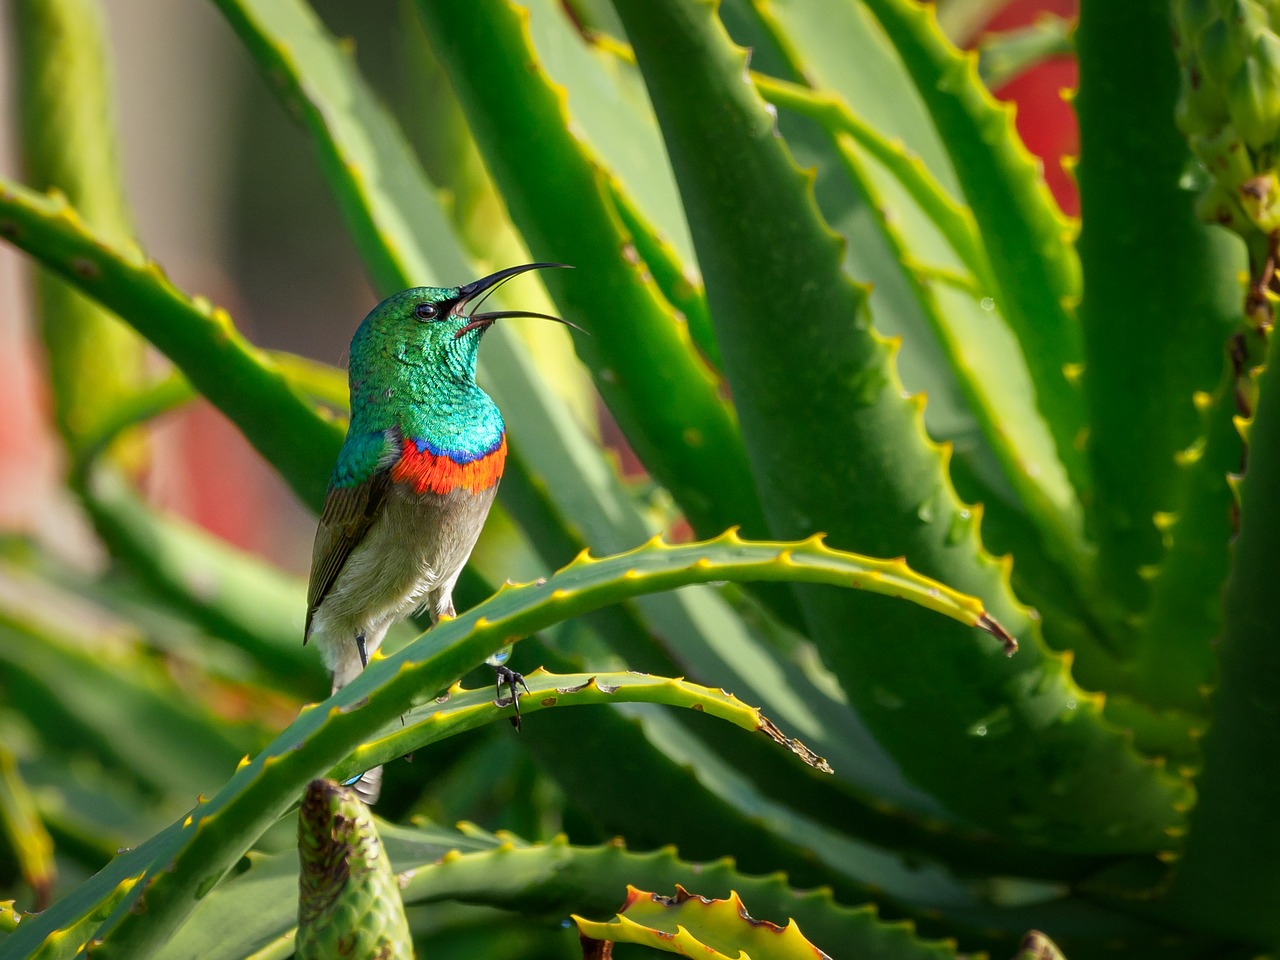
(415, 478)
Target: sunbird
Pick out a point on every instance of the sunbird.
(414, 480)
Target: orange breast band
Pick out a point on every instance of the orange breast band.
(439, 473)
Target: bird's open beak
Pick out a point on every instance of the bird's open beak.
(469, 291)
(480, 288)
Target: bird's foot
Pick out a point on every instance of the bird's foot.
(360, 649)
(507, 677)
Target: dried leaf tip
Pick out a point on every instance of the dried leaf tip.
(990, 624)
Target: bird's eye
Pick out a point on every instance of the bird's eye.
(425, 311)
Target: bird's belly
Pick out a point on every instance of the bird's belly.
(418, 544)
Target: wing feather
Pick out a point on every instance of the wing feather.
(349, 512)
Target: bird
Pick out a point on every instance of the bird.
(414, 480)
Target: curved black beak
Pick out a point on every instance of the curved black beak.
(469, 291)
(485, 285)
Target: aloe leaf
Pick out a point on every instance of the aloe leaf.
(198, 337)
(64, 94)
(1144, 356)
(1004, 56)
(846, 51)
(230, 593)
(836, 447)
(661, 392)
(542, 880)
(990, 380)
(697, 632)
(688, 924)
(190, 859)
(1027, 238)
(1174, 664)
(349, 903)
(403, 236)
(1227, 881)
(119, 707)
(678, 282)
(996, 397)
(27, 838)
(458, 709)
(954, 222)
(610, 115)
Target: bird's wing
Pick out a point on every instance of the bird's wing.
(349, 511)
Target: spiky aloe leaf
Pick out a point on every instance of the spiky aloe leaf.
(1174, 664)
(25, 834)
(954, 221)
(541, 880)
(229, 592)
(1006, 54)
(116, 705)
(350, 901)
(933, 243)
(835, 447)
(198, 337)
(186, 861)
(394, 217)
(1027, 238)
(1228, 879)
(1145, 356)
(663, 395)
(689, 925)
(68, 144)
(458, 709)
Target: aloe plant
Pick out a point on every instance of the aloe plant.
(778, 258)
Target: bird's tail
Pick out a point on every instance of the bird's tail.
(367, 786)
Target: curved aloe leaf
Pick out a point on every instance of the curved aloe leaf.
(198, 337)
(664, 396)
(232, 594)
(392, 213)
(1027, 238)
(1006, 55)
(458, 709)
(121, 708)
(954, 222)
(68, 142)
(836, 447)
(1174, 664)
(1228, 879)
(1144, 356)
(189, 859)
(350, 903)
(688, 924)
(26, 836)
(542, 880)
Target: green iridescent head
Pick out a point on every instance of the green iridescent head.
(413, 363)
(431, 327)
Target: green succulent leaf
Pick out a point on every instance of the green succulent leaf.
(543, 880)
(190, 858)
(835, 447)
(689, 924)
(665, 397)
(25, 833)
(64, 90)
(1027, 237)
(198, 337)
(1145, 357)
(1227, 879)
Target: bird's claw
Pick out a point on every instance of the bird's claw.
(507, 677)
